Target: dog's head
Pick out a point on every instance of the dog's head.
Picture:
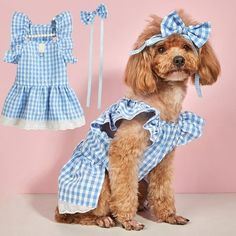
(172, 59)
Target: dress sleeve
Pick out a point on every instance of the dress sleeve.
(124, 109)
(190, 127)
(19, 30)
(63, 27)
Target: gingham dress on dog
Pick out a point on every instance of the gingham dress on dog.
(81, 179)
(41, 97)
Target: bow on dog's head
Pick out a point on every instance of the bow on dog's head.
(172, 49)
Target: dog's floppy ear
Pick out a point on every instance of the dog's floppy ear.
(209, 66)
(138, 74)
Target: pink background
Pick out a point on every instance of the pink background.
(30, 160)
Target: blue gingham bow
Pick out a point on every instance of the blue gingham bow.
(198, 34)
(171, 24)
(87, 17)
(102, 11)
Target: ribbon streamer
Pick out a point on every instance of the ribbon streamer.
(197, 85)
(88, 18)
(90, 67)
(100, 75)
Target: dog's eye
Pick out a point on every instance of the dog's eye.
(161, 49)
(187, 48)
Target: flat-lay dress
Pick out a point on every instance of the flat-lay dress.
(41, 97)
(81, 179)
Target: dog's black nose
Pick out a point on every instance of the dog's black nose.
(178, 61)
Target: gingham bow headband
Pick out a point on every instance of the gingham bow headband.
(88, 19)
(171, 24)
(198, 34)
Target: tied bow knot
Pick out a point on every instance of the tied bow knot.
(87, 17)
(185, 30)
(198, 34)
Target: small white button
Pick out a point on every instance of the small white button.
(41, 47)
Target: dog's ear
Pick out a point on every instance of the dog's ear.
(138, 74)
(209, 66)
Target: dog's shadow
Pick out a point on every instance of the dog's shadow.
(147, 215)
(44, 205)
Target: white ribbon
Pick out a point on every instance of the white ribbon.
(90, 67)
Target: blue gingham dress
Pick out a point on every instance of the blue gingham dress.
(81, 179)
(41, 97)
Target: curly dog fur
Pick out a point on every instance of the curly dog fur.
(152, 77)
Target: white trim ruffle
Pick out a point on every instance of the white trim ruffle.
(41, 125)
(68, 208)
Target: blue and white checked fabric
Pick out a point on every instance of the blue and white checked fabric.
(87, 17)
(41, 92)
(198, 34)
(81, 179)
(173, 24)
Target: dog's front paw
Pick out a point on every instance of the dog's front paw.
(174, 219)
(132, 225)
(105, 222)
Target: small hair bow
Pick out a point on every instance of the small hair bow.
(102, 11)
(88, 19)
(173, 24)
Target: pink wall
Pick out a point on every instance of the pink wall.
(30, 160)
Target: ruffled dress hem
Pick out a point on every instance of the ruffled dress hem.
(68, 208)
(41, 125)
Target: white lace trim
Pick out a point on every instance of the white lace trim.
(37, 125)
(68, 208)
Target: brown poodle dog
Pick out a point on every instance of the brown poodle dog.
(155, 78)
